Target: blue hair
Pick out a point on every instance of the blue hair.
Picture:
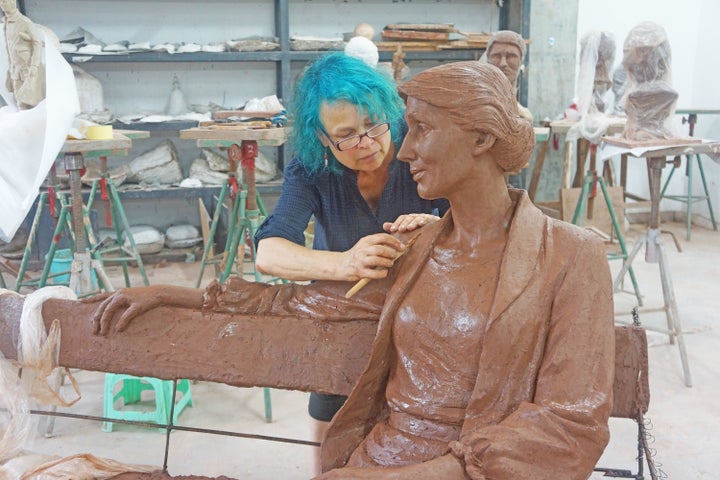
(333, 78)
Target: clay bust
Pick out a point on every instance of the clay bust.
(650, 99)
(24, 40)
(506, 50)
(619, 82)
(493, 353)
(597, 55)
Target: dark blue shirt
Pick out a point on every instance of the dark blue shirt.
(342, 216)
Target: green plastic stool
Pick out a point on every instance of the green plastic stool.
(130, 392)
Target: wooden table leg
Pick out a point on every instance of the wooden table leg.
(537, 168)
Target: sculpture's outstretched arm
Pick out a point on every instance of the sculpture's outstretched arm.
(122, 306)
(279, 351)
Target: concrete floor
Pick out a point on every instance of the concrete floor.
(683, 420)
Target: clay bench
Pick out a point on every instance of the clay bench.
(306, 355)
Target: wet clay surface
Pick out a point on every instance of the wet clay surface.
(524, 300)
(162, 476)
(241, 350)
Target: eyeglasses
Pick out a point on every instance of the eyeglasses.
(351, 142)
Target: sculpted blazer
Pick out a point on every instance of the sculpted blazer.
(543, 393)
(544, 388)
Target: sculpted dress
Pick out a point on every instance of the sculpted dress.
(541, 391)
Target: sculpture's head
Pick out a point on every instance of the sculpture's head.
(646, 53)
(8, 6)
(506, 50)
(597, 56)
(478, 98)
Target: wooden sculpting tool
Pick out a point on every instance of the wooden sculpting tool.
(364, 281)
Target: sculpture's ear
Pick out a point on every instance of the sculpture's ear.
(483, 142)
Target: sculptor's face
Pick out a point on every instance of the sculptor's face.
(440, 154)
(507, 57)
(342, 120)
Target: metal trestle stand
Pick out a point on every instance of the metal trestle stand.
(115, 217)
(246, 212)
(585, 205)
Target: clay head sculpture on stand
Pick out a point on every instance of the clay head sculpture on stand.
(506, 50)
(597, 55)
(24, 40)
(650, 99)
(619, 83)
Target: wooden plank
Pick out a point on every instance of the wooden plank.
(238, 125)
(406, 46)
(656, 142)
(414, 35)
(205, 221)
(223, 114)
(234, 134)
(119, 142)
(434, 27)
(459, 44)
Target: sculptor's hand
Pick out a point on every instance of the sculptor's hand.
(370, 257)
(410, 222)
(121, 307)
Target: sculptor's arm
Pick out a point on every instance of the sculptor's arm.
(564, 430)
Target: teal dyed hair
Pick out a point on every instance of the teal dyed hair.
(333, 78)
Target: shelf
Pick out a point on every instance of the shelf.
(271, 56)
(272, 187)
(146, 57)
(170, 126)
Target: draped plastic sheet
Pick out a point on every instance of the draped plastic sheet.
(30, 140)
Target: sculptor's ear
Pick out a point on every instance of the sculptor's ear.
(483, 143)
(323, 139)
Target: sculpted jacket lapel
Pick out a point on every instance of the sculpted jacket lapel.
(521, 265)
(366, 403)
(520, 256)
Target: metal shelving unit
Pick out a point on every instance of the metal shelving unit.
(514, 14)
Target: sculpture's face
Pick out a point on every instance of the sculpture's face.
(647, 63)
(342, 121)
(8, 6)
(439, 152)
(508, 58)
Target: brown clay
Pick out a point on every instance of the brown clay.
(492, 352)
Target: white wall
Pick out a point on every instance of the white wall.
(694, 36)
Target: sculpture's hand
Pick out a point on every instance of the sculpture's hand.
(446, 467)
(121, 307)
(410, 222)
(353, 473)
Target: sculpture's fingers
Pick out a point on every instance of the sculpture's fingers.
(97, 317)
(126, 317)
(96, 298)
(114, 305)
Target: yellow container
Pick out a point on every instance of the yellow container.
(99, 132)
